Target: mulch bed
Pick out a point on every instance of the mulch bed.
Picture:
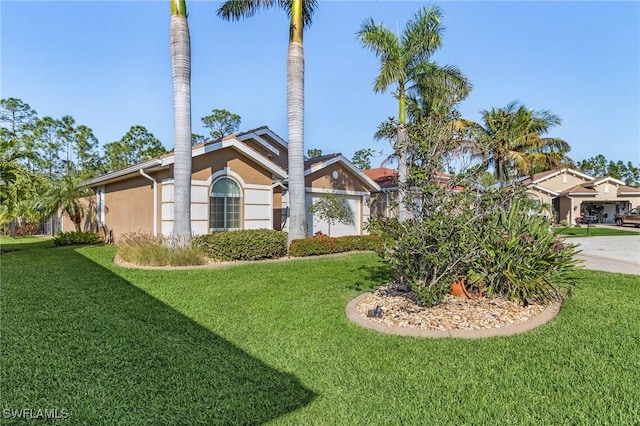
(400, 308)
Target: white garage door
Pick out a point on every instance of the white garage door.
(354, 227)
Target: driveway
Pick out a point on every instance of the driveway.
(611, 254)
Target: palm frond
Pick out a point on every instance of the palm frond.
(234, 10)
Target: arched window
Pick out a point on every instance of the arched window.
(224, 205)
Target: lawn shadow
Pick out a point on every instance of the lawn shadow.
(373, 276)
(79, 337)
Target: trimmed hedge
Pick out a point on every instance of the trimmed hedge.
(249, 244)
(76, 238)
(322, 244)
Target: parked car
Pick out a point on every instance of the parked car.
(632, 217)
(587, 219)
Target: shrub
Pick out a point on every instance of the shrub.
(249, 244)
(76, 238)
(147, 250)
(322, 244)
(521, 258)
(492, 239)
(429, 251)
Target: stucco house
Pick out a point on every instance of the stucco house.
(237, 182)
(571, 194)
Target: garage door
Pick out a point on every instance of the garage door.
(339, 229)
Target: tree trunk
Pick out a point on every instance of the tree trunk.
(402, 172)
(295, 119)
(181, 69)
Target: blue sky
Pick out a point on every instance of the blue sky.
(107, 64)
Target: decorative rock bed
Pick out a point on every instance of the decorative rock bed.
(454, 317)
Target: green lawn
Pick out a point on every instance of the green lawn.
(593, 231)
(270, 343)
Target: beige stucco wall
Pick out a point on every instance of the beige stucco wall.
(556, 183)
(136, 195)
(346, 181)
(205, 165)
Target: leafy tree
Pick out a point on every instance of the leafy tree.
(44, 134)
(87, 156)
(331, 209)
(405, 60)
(14, 114)
(314, 152)
(221, 123)
(136, 145)
(197, 139)
(180, 45)
(300, 13)
(66, 195)
(600, 166)
(511, 141)
(66, 132)
(16, 117)
(362, 158)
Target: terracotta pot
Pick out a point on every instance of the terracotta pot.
(457, 288)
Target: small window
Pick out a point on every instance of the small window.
(224, 205)
(564, 178)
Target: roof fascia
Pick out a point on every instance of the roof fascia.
(341, 159)
(135, 169)
(260, 141)
(272, 135)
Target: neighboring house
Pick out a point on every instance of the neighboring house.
(238, 182)
(385, 201)
(571, 194)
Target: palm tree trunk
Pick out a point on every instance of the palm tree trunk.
(180, 44)
(295, 119)
(401, 143)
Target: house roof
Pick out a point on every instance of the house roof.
(319, 159)
(384, 177)
(542, 176)
(628, 190)
(236, 142)
(579, 190)
(230, 141)
(603, 179)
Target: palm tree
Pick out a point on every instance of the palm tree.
(511, 141)
(300, 13)
(405, 63)
(180, 45)
(66, 195)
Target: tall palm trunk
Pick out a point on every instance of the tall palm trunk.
(295, 119)
(402, 143)
(180, 44)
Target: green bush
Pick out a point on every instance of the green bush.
(429, 250)
(520, 257)
(249, 244)
(492, 239)
(147, 250)
(76, 238)
(322, 244)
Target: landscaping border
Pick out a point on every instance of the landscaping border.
(545, 316)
